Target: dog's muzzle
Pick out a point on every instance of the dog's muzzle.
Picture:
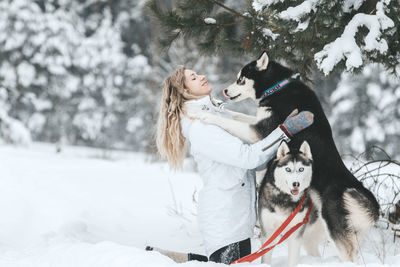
(225, 93)
(295, 190)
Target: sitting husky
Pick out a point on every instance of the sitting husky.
(347, 208)
(280, 192)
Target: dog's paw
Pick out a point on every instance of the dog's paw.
(204, 116)
(192, 111)
(199, 113)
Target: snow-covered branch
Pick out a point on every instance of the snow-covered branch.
(298, 12)
(258, 5)
(345, 47)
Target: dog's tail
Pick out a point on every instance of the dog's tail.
(363, 209)
(175, 256)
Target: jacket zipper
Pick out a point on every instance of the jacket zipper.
(276, 141)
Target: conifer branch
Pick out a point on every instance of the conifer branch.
(234, 23)
(228, 8)
(229, 24)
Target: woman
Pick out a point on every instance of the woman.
(227, 201)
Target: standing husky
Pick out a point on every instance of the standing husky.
(281, 190)
(348, 209)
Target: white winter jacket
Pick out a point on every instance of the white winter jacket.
(227, 201)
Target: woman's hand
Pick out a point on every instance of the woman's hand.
(297, 122)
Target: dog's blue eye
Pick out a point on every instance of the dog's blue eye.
(288, 169)
(301, 169)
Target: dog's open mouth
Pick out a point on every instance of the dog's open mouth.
(229, 97)
(294, 191)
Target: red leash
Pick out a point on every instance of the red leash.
(261, 251)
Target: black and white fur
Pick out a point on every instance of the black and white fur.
(347, 208)
(280, 192)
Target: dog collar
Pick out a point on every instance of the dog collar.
(274, 89)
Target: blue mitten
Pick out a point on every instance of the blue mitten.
(295, 123)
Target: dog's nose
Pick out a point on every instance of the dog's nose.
(225, 93)
(296, 184)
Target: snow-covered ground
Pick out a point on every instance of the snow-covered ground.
(84, 207)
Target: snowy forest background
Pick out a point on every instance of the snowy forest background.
(89, 72)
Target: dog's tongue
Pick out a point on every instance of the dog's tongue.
(294, 191)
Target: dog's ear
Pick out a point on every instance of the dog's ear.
(306, 150)
(262, 62)
(283, 150)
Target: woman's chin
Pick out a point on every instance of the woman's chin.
(207, 93)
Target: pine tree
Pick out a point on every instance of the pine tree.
(366, 111)
(338, 35)
(64, 76)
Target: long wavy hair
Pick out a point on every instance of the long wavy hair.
(170, 140)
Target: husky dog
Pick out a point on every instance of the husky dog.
(281, 190)
(347, 208)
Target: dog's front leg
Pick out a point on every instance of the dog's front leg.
(266, 258)
(243, 130)
(262, 113)
(294, 251)
(242, 117)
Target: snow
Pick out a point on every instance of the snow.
(374, 90)
(210, 21)
(345, 46)
(351, 5)
(59, 58)
(133, 124)
(343, 89)
(9, 74)
(89, 207)
(380, 178)
(344, 106)
(297, 12)
(302, 26)
(16, 132)
(268, 33)
(12, 130)
(367, 102)
(357, 138)
(26, 73)
(87, 104)
(258, 5)
(370, 123)
(36, 122)
(88, 124)
(40, 104)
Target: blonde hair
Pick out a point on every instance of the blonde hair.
(170, 140)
